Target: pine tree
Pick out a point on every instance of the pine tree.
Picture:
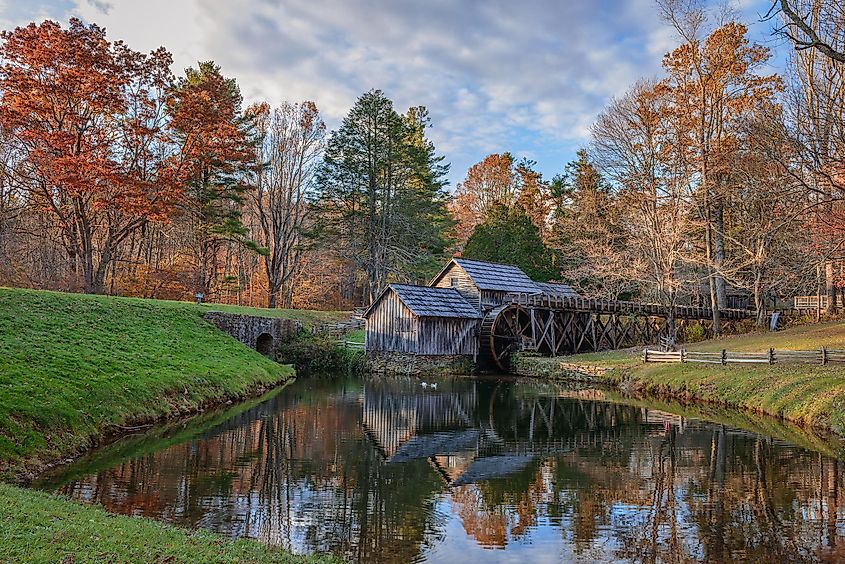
(588, 231)
(216, 158)
(381, 194)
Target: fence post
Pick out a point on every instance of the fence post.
(824, 356)
(645, 354)
(683, 355)
(724, 357)
(771, 355)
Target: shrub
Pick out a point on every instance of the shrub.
(317, 353)
(693, 333)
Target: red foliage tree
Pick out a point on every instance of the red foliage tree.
(493, 180)
(89, 116)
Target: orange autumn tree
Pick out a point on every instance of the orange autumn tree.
(491, 181)
(534, 196)
(713, 86)
(88, 116)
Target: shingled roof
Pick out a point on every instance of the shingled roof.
(431, 302)
(558, 290)
(498, 277)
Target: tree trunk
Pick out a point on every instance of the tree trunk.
(711, 281)
(719, 256)
(830, 287)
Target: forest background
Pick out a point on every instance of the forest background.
(716, 183)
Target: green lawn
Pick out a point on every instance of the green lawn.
(805, 394)
(76, 368)
(38, 527)
(355, 336)
(308, 317)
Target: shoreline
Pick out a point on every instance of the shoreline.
(81, 372)
(114, 434)
(702, 390)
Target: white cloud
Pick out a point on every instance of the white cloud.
(527, 77)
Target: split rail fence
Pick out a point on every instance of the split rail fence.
(338, 329)
(821, 356)
(351, 345)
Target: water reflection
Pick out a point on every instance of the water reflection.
(385, 470)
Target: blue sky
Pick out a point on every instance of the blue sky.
(526, 77)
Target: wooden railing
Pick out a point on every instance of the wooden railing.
(615, 306)
(814, 302)
(351, 345)
(340, 328)
(822, 356)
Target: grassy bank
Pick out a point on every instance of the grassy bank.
(76, 369)
(803, 394)
(37, 527)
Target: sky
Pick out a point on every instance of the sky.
(527, 76)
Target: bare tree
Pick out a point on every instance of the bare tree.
(12, 195)
(292, 139)
(633, 146)
(769, 238)
(816, 113)
(813, 25)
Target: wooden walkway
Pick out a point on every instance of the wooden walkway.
(554, 325)
(623, 307)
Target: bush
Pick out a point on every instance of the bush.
(693, 333)
(318, 353)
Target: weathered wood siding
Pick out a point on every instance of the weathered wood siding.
(447, 336)
(391, 326)
(462, 283)
(492, 298)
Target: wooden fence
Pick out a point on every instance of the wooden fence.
(351, 345)
(822, 356)
(814, 302)
(338, 329)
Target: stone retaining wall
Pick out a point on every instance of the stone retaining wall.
(403, 363)
(548, 367)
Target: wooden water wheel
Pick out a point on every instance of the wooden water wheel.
(504, 331)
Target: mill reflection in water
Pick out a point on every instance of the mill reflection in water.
(381, 469)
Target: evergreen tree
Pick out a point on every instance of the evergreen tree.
(508, 236)
(216, 159)
(381, 195)
(426, 199)
(588, 231)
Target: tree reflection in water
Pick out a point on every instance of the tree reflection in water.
(381, 469)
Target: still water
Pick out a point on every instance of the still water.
(480, 470)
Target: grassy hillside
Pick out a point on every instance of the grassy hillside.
(308, 317)
(805, 394)
(76, 367)
(37, 527)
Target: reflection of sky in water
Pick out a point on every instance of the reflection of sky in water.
(488, 470)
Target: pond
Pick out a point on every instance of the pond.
(381, 469)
